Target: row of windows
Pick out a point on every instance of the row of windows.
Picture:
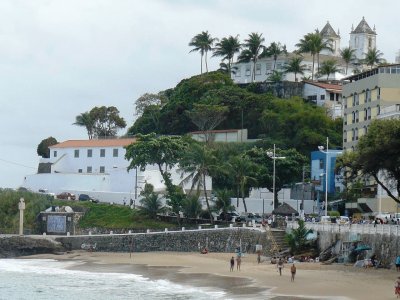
(89, 153)
(355, 115)
(368, 98)
(354, 133)
(269, 67)
(89, 169)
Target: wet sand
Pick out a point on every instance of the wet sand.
(254, 281)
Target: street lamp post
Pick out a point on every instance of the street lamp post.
(321, 148)
(274, 157)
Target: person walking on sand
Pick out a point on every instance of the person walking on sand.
(238, 262)
(280, 266)
(397, 287)
(232, 263)
(293, 271)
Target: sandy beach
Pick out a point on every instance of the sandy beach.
(253, 281)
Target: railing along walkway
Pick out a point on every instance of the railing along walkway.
(384, 229)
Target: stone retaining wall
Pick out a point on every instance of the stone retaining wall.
(216, 240)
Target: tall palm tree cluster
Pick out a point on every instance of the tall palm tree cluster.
(253, 49)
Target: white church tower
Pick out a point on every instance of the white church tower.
(362, 39)
(328, 33)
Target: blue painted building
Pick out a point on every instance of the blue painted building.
(318, 168)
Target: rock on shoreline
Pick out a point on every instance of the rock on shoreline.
(14, 246)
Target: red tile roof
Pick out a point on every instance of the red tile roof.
(94, 143)
(326, 86)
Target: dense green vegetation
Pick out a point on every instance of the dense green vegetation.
(98, 215)
(289, 123)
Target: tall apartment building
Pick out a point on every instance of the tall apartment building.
(365, 97)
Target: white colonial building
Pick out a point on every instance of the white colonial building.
(97, 168)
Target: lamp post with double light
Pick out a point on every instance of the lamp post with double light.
(321, 148)
(273, 156)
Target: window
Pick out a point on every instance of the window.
(312, 98)
(321, 163)
(345, 119)
(268, 67)
(76, 153)
(248, 70)
(344, 136)
(79, 170)
(357, 116)
(258, 69)
(356, 134)
(55, 153)
(365, 114)
(369, 43)
(236, 71)
(89, 169)
(369, 113)
(322, 97)
(89, 153)
(378, 107)
(115, 152)
(102, 152)
(353, 115)
(379, 93)
(353, 134)
(331, 96)
(102, 169)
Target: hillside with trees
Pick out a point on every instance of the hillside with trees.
(289, 123)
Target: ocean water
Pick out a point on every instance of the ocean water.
(50, 279)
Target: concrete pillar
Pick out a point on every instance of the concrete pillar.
(231, 225)
(166, 229)
(216, 226)
(68, 233)
(44, 233)
(90, 233)
(199, 227)
(130, 231)
(183, 228)
(21, 207)
(148, 231)
(244, 225)
(111, 232)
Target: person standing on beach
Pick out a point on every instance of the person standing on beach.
(293, 271)
(238, 262)
(397, 262)
(232, 263)
(280, 266)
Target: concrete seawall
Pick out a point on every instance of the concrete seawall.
(216, 240)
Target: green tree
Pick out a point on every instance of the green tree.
(148, 100)
(151, 202)
(202, 43)
(227, 48)
(373, 57)
(294, 65)
(106, 121)
(164, 152)
(253, 49)
(328, 67)
(297, 239)
(43, 147)
(196, 164)
(242, 171)
(287, 170)
(206, 118)
(274, 50)
(377, 154)
(223, 202)
(348, 56)
(85, 120)
(191, 206)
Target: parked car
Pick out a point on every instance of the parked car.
(66, 196)
(227, 216)
(343, 220)
(86, 197)
(247, 217)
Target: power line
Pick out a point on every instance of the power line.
(17, 164)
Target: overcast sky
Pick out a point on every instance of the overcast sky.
(61, 58)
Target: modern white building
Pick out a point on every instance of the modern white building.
(97, 168)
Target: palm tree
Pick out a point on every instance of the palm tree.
(297, 239)
(313, 43)
(151, 203)
(348, 56)
(274, 50)
(328, 67)
(202, 43)
(254, 47)
(227, 48)
(223, 202)
(372, 57)
(85, 120)
(276, 76)
(294, 66)
(196, 164)
(191, 206)
(241, 169)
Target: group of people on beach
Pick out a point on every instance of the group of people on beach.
(238, 262)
